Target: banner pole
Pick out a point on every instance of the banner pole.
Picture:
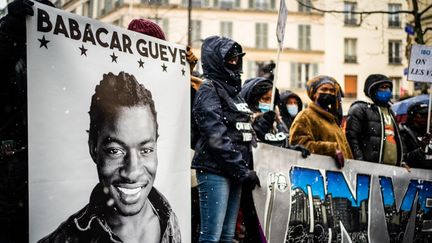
(275, 76)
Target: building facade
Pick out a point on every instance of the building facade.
(346, 46)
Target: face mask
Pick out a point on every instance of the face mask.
(264, 107)
(383, 96)
(233, 67)
(325, 100)
(292, 110)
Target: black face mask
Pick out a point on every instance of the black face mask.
(233, 67)
(325, 100)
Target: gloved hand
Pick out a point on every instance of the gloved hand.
(340, 160)
(425, 140)
(263, 124)
(20, 8)
(269, 116)
(304, 151)
(251, 180)
(191, 58)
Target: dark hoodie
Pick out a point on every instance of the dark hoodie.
(222, 117)
(286, 117)
(365, 125)
(263, 124)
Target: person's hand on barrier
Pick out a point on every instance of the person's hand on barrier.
(406, 166)
(251, 180)
(304, 151)
(340, 160)
(20, 8)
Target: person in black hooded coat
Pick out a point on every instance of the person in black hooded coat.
(267, 121)
(223, 152)
(369, 126)
(287, 113)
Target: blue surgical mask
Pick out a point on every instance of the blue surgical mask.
(264, 107)
(292, 110)
(383, 96)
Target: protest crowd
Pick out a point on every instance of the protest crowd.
(229, 117)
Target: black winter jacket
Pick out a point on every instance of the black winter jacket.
(414, 155)
(222, 116)
(365, 132)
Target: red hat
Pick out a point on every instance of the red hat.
(147, 27)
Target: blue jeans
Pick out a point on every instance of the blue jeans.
(219, 200)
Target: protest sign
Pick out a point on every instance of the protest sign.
(311, 200)
(68, 56)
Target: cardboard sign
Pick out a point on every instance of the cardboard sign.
(420, 65)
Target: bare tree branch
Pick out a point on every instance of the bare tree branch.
(354, 12)
(426, 9)
(426, 30)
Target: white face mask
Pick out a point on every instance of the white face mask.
(292, 110)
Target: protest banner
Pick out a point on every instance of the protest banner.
(310, 200)
(68, 56)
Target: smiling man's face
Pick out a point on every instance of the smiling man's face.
(125, 154)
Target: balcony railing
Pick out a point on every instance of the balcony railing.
(394, 23)
(351, 21)
(350, 59)
(395, 60)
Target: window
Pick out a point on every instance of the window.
(227, 4)
(351, 86)
(226, 29)
(303, 8)
(155, 2)
(262, 4)
(301, 73)
(350, 18)
(261, 30)
(350, 50)
(396, 87)
(394, 19)
(196, 30)
(197, 3)
(108, 6)
(304, 33)
(252, 69)
(394, 53)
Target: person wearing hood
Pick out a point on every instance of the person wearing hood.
(291, 105)
(371, 129)
(317, 127)
(223, 152)
(267, 121)
(415, 138)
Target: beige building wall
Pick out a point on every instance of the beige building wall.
(326, 51)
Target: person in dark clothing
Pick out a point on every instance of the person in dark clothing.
(269, 128)
(291, 105)
(13, 122)
(267, 121)
(371, 129)
(415, 138)
(223, 152)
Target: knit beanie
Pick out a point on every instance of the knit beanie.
(147, 27)
(313, 84)
(373, 81)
